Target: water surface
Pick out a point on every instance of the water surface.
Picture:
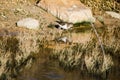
(46, 69)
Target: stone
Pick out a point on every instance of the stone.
(72, 11)
(29, 23)
(113, 14)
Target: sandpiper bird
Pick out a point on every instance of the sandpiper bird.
(63, 25)
(64, 39)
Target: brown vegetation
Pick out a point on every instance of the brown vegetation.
(19, 46)
(102, 5)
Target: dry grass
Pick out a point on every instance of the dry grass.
(102, 5)
(18, 46)
(89, 55)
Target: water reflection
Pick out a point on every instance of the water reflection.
(53, 75)
(45, 69)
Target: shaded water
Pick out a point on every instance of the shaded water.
(46, 69)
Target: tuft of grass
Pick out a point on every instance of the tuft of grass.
(70, 57)
(102, 5)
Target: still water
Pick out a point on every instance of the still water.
(45, 69)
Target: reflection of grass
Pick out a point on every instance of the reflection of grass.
(83, 23)
(85, 27)
(81, 27)
(16, 51)
(89, 54)
(70, 57)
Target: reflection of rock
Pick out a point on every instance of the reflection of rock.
(29, 23)
(72, 11)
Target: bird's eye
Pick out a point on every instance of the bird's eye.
(57, 26)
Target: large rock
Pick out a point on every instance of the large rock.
(72, 11)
